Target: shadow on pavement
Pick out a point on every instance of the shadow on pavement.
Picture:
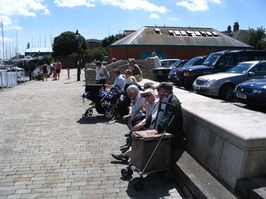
(252, 108)
(155, 186)
(93, 120)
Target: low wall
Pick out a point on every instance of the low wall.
(227, 139)
(145, 65)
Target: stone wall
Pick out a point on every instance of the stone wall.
(145, 65)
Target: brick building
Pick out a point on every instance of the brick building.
(94, 43)
(173, 42)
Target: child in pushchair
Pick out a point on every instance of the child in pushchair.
(103, 101)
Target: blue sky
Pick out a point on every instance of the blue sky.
(39, 21)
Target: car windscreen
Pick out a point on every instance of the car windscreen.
(212, 59)
(192, 62)
(241, 68)
(175, 64)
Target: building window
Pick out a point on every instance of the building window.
(157, 31)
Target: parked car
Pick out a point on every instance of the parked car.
(252, 92)
(184, 64)
(166, 63)
(217, 62)
(174, 69)
(223, 84)
(161, 73)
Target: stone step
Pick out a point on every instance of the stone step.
(197, 181)
(252, 187)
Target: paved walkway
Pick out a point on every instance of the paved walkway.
(46, 151)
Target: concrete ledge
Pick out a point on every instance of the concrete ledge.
(200, 183)
(228, 140)
(254, 187)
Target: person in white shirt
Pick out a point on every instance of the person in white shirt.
(156, 60)
(100, 73)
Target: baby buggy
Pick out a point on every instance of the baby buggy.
(103, 101)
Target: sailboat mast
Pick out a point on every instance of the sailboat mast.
(3, 43)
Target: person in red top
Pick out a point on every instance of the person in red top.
(58, 67)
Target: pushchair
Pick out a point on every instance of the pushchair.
(103, 101)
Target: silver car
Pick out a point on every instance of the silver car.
(223, 84)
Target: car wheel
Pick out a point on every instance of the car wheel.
(227, 92)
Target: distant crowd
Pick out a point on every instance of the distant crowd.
(53, 70)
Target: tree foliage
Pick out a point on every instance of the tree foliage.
(257, 38)
(66, 44)
(94, 54)
(107, 41)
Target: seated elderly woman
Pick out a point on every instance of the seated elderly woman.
(150, 98)
(150, 101)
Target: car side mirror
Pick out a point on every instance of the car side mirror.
(250, 74)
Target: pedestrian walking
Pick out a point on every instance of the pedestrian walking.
(44, 72)
(58, 67)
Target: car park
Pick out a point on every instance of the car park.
(184, 64)
(223, 84)
(217, 62)
(161, 73)
(252, 92)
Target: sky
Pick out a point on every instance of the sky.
(39, 21)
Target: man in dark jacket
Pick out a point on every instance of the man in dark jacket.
(172, 118)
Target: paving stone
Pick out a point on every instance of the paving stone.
(48, 151)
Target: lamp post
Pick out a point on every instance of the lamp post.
(78, 37)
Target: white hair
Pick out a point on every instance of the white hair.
(132, 88)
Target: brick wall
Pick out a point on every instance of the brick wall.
(172, 52)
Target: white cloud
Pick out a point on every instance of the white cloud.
(26, 8)
(74, 3)
(145, 5)
(6, 20)
(22, 8)
(174, 19)
(13, 27)
(136, 5)
(197, 5)
(6, 40)
(154, 16)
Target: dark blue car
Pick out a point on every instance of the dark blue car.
(252, 92)
(184, 64)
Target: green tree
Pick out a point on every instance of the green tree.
(257, 38)
(107, 41)
(94, 54)
(67, 43)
